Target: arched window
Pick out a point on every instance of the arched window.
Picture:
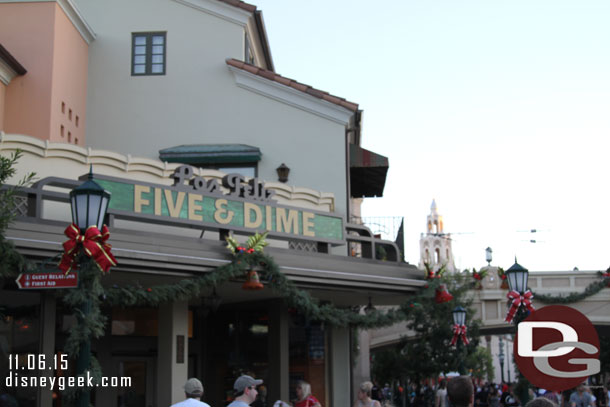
(437, 256)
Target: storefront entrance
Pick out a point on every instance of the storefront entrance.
(143, 378)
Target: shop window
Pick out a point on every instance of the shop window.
(148, 51)
(307, 356)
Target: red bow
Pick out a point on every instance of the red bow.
(517, 301)
(459, 330)
(94, 245)
(477, 276)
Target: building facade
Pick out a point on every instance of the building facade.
(166, 99)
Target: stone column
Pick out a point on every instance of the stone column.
(340, 369)
(278, 386)
(47, 342)
(361, 370)
(172, 359)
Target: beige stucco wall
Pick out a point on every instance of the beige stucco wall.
(26, 30)
(198, 101)
(46, 43)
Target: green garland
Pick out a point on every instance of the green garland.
(590, 290)
(276, 281)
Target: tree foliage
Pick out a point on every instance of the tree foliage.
(12, 261)
(480, 364)
(427, 352)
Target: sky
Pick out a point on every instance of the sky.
(497, 109)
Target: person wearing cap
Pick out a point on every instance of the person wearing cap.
(193, 389)
(245, 391)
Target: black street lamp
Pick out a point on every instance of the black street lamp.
(459, 316)
(488, 252)
(520, 305)
(519, 296)
(459, 323)
(517, 277)
(89, 202)
(501, 359)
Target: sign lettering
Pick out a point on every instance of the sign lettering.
(237, 204)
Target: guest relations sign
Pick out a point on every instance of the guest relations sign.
(234, 205)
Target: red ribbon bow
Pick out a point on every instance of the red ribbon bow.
(94, 245)
(459, 330)
(517, 301)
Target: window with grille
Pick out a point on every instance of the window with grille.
(148, 53)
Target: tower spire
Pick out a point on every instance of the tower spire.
(435, 245)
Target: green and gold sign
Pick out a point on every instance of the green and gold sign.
(195, 200)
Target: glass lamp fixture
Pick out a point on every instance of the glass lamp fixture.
(459, 316)
(282, 172)
(89, 202)
(488, 252)
(517, 276)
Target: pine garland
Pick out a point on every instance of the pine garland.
(277, 281)
(590, 290)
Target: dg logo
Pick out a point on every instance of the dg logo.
(557, 348)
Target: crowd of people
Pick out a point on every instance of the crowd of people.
(430, 394)
(444, 393)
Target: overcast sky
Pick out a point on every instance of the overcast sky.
(499, 110)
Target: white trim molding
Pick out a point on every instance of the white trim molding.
(219, 9)
(148, 169)
(291, 96)
(6, 72)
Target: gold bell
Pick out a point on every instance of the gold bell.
(252, 282)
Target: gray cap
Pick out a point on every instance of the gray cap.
(245, 381)
(193, 386)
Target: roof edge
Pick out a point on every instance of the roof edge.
(272, 76)
(9, 66)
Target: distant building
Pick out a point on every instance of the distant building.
(435, 245)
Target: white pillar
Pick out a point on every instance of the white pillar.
(172, 359)
(340, 367)
(361, 371)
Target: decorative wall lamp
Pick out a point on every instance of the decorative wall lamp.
(282, 172)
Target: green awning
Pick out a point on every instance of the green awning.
(368, 172)
(211, 154)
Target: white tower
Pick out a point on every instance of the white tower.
(435, 245)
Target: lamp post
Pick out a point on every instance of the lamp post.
(517, 277)
(488, 252)
(459, 320)
(501, 359)
(89, 203)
